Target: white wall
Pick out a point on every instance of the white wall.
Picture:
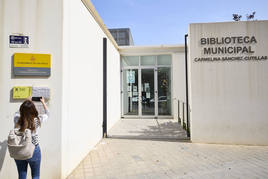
(178, 69)
(113, 86)
(83, 84)
(41, 20)
(75, 41)
(229, 99)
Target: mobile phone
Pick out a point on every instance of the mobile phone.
(36, 98)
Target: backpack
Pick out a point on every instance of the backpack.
(20, 144)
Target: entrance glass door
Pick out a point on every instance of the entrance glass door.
(130, 92)
(164, 91)
(147, 92)
(146, 86)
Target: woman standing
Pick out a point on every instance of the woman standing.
(28, 118)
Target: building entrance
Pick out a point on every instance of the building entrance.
(146, 86)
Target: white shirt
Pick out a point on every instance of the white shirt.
(42, 117)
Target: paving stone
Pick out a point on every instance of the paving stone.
(163, 159)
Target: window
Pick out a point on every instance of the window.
(164, 60)
(147, 60)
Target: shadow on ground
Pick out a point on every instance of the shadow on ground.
(3, 150)
(164, 130)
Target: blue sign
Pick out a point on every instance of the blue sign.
(18, 41)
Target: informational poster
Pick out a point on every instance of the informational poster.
(135, 88)
(130, 76)
(22, 92)
(147, 87)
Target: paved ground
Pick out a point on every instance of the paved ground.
(147, 129)
(159, 159)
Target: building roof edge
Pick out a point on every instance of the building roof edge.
(154, 48)
(98, 19)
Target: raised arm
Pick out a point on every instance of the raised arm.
(45, 116)
(44, 104)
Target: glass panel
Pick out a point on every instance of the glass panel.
(122, 34)
(130, 61)
(147, 60)
(164, 91)
(164, 60)
(130, 92)
(147, 91)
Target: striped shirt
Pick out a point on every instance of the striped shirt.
(42, 117)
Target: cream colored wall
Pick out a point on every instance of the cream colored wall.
(113, 86)
(229, 99)
(83, 84)
(41, 21)
(75, 125)
(178, 70)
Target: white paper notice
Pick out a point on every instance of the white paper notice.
(129, 94)
(129, 88)
(41, 92)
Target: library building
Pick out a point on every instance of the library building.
(215, 83)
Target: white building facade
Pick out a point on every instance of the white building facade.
(228, 76)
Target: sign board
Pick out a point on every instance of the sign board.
(22, 92)
(41, 92)
(18, 41)
(29, 64)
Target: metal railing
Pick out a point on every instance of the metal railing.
(184, 119)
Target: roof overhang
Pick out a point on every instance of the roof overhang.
(150, 50)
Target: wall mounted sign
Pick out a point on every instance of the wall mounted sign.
(233, 48)
(41, 92)
(29, 64)
(18, 41)
(22, 92)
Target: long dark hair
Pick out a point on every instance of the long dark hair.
(28, 113)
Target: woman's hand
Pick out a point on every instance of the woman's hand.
(42, 100)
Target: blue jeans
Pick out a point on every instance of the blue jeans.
(34, 163)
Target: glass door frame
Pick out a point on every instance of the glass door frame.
(139, 68)
(155, 92)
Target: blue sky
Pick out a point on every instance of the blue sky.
(156, 22)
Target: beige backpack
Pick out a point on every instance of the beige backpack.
(20, 144)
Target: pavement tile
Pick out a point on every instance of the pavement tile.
(160, 159)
